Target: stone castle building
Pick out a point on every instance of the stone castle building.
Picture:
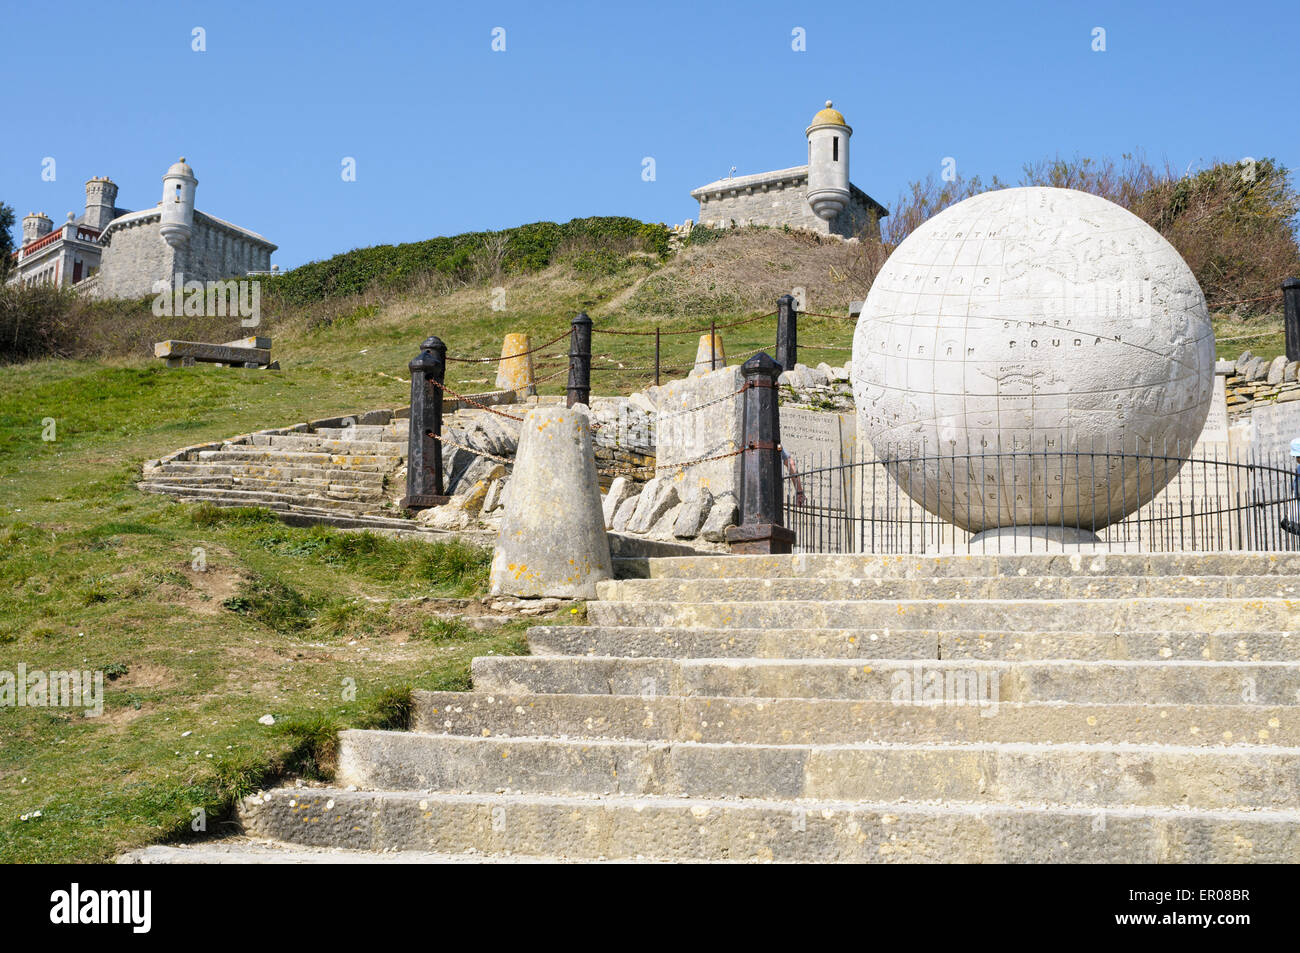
(817, 196)
(111, 252)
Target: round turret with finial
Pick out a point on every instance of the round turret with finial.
(828, 162)
(179, 185)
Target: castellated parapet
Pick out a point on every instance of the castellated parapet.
(101, 202)
(36, 225)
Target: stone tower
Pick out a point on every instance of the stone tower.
(828, 163)
(36, 225)
(101, 200)
(178, 204)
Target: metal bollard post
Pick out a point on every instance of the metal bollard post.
(579, 390)
(787, 332)
(656, 355)
(1291, 317)
(424, 487)
(761, 486)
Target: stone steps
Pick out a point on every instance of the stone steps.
(806, 721)
(384, 433)
(896, 643)
(336, 475)
(831, 566)
(1070, 775)
(950, 587)
(315, 444)
(236, 453)
(1104, 615)
(224, 495)
(302, 490)
(633, 827)
(1160, 683)
(1129, 708)
(273, 472)
(250, 850)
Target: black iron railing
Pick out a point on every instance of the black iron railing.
(1023, 501)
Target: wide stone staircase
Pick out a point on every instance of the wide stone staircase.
(1046, 708)
(342, 471)
(337, 471)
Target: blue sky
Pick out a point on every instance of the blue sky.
(450, 136)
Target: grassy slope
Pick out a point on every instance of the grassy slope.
(94, 573)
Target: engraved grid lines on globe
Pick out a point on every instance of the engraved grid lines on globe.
(1033, 319)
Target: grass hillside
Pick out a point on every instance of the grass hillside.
(282, 621)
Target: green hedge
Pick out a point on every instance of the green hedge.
(529, 248)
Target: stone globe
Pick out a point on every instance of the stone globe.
(1033, 357)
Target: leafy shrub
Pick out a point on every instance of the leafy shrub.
(35, 322)
(702, 235)
(1233, 223)
(528, 248)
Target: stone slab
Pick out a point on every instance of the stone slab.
(816, 444)
(636, 827)
(1216, 422)
(723, 720)
(1096, 774)
(1274, 426)
(212, 353)
(701, 417)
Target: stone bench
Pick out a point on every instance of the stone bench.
(246, 352)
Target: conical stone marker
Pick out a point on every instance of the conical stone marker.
(709, 356)
(552, 540)
(515, 371)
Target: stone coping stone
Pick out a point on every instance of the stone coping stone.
(753, 829)
(212, 353)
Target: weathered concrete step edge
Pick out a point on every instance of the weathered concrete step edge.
(355, 461)
(834, 566)
(249, 850)
(229, 496)
(887, 642)
(717, 720)
(363, 432)
(1044, 680)
(1102, 615)
(308, 442)
(316, 512)
(758, 830)
(273, 471)
(297, 489)
(1066, 774)
(989, 587)
(294, 489)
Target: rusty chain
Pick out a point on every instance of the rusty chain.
(474, 403)
(714, 328)
(615, 471)
(506, 357)
(460, 446)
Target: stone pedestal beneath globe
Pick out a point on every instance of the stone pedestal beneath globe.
(1015, 344)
